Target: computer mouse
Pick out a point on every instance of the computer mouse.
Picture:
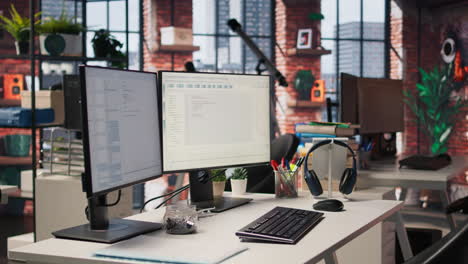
(330, 205)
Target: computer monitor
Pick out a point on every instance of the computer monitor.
(374, 103)
(214, 120)
(121, 143)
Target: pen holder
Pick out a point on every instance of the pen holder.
(286, 184)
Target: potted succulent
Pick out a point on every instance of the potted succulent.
(106, 45)
(239, 181)
(19, 28)
(219, 182)
(60, 36)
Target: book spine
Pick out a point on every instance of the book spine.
(328, 130)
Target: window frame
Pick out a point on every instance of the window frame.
(217, 35)
(336, 39)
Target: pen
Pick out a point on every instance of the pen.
(286, 163)
(274, 165)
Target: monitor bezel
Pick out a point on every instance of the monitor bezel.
(87, 176)
(160, 96)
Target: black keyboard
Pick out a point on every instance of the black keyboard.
(281, 224)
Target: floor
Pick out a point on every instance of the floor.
(12, 226)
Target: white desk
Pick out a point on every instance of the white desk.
(389, 175)
(321, 242)
(4, 191)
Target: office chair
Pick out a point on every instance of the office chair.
(261, 179)
(453, 248)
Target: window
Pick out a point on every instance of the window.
(356, 32)
(222, 50)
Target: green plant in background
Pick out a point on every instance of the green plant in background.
(218, 175)
(438, 106)
(106, 45)
(303, 84)
(239, 174)
(62, 25)
(18, 26)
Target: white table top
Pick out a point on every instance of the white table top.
(334, 231)
(7, 188)
(391, 175)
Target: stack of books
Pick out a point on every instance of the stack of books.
(306, 131)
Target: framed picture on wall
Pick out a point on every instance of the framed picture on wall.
(304, 38)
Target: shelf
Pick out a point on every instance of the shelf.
(10, 102)
(15, 161)
(305, 104)
(308, 52)
(58, 58)
(21, 195)
(30, 127)
(178, 48)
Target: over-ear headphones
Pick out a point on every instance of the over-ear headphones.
(348, 180)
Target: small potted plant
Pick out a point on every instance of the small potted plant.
(303, 84)
(60, 36)
(239, 181)
(219, 182)
(106, 45)
(19, 28)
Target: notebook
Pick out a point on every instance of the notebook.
(161, 249)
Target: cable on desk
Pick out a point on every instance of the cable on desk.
(161, 196)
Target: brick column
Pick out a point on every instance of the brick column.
(291, 16)
(157, 14)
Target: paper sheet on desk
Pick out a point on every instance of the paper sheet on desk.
(169, 249)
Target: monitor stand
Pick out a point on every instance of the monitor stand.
(101, 229)
(201, 194)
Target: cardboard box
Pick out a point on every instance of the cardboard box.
(46, 99)
(176, 36)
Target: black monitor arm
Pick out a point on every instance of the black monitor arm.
(236, 27)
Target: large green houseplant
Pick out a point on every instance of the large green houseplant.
(105, 45)
(60, 36)
(436, 106)
(19, 27)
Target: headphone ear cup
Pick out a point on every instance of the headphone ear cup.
(313, 183)
(348, 180)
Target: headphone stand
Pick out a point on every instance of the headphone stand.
(330, 150)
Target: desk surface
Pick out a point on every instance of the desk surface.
(391, 175)
(216, 231)
(7, 188)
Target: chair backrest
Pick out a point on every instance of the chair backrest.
(261, 178)
(453, 249)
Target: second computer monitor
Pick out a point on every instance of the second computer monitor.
(214, 120)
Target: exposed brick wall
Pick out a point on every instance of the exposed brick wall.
(291, 16)
(426, 54)
(157, 14)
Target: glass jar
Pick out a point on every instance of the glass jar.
(180, 219)
(286, 184)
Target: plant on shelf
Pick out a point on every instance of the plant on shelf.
(106, 45)
(436, 106)
(239, 181)
(219, 181)
(60, 36)
(303, 84)
(19, 27)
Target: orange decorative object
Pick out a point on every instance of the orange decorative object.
(459, 71)
(13, 84)
(318, 91)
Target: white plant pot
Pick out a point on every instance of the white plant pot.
(218, 188)
(238, 187)
(73, 45)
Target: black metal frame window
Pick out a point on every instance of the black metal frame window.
(357, 32)
(221, 50)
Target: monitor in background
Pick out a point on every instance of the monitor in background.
(212, 120)
(376, 104)
(121, 145)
